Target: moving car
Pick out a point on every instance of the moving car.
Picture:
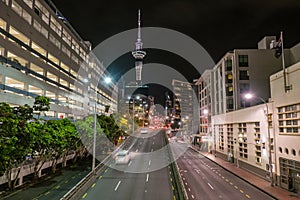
(144, 130)
(122, 157)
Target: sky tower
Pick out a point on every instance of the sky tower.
(139, 54)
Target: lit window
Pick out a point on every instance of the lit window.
(18, 35)
(2, 25)
(29, 3)
(35, 90)
(38, 49)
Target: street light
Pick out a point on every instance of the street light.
(250, 96)
(107, 81)
(95, 128)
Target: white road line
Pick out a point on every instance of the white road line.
(129, 163)
(189, 162)
(136, 150)
(210, 186)
(147, 179)
(189, 189)
(149, 162)
(117, 185)
(193, 196)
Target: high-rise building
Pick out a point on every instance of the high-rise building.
(42, 54)
(186, 101)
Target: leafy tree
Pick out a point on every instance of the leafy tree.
(41, 104)
(15, 140)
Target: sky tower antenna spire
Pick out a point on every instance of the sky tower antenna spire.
(139, 44)
(139, 54)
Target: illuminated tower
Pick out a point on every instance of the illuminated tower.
(139, 54)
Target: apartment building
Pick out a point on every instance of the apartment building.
(263, 139)
(241, 71)
(42, 54)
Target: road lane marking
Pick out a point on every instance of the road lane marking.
(93, 185)
(230, 183)
(83, 196)
(129, 163)
(189, 162)
(149, 162)
(210, 186)
(241, 191)
(153, 142)
(57, 187)
(189, 189)
(192, 196)
(47, 193)
(185, 183)
(66, 181)
(248, 196)
(100, 177)
(117, 185)
(136, 150)
(236, 187)
(147, 178)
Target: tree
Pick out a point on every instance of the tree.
(41, 104)
(15, 140)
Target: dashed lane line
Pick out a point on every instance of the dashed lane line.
(117, 186)
(83, 196)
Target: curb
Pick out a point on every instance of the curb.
(235, 174)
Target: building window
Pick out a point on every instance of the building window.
(288, 119)
(41, 11)
(40, 29)
(29, 3)
(14, 84)
(293, 152)
(2, 26)
(243, 61)
(244, 75)
(228, 64)
(18, 35)
(286, 150)
(54, 24)
(54, 41)
(66, 37)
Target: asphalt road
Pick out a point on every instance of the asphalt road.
(146, 176)
(204, 179)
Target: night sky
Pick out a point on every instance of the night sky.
(218, 25)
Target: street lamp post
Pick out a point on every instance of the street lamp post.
(249, 96)
(107, 81)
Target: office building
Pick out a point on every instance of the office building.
(42, 54)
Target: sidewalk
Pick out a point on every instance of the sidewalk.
(254, 180)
